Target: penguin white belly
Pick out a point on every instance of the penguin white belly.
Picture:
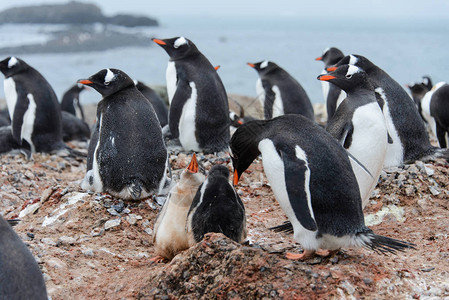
(278, 106)
(92, 180)
(187, 126)
(260, 92)
(395, 151)
(10, 95)
(274, 170)
(340, 99)
(369, 146)
(171, 78)
(325, 85)
(28, 122)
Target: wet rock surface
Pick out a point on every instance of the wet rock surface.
(99, 247)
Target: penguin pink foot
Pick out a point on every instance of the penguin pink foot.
(309, 253)
(158, 259)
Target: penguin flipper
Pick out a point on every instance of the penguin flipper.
(269, 99)
(297, 178)
(182, 94)
(346, 137)
(19, 112)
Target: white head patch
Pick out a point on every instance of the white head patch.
(352, 70)
(425, 81)
(109, 76)
(264, 64)
(352, 60)
(325, 51)
(12, 62)
(179, 42)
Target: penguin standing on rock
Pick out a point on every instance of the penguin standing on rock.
(279, 92)
(359, 126)
(199, 111)
(317, 190)
(33, 108)
(410, 141)
(20, 276)
(127, 156)
(158, 104)
(170, 236)
(216, 208)
(70, 101)
(333, 95)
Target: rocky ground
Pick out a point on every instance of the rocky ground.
(94, 246)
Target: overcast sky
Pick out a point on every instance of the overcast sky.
(322, 8)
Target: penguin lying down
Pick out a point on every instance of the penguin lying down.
(317, 190)
(194, 208)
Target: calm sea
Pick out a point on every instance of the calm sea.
(406, 49)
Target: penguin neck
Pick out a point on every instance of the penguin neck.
(361, 95)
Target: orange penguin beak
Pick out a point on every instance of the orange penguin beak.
(319, 58)
(251, 65)
(217, 67)
(326, 77)
(85, 81)
(236, 177)
(159, 42)
(193, 166)
(331, 69)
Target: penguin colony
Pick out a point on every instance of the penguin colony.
(372, 123)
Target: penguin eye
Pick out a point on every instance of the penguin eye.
(107, 82)
(349, 76)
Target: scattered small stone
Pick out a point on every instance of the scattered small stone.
(46, 277)
(30, 235)
(316, 260)
(97, 231)
(48, 241)
(119, 206)
(434, 190)
(131, 219)
(149, 231)
(334, 259)
(113, 212)
(367, 281)
(151, 205)
(161, 200)
(30, 209)
(88, 252)
(348, 287)
(66, 241)
(111, 224)
(126, 211)
(428, 269)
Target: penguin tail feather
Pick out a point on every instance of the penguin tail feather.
(433, 154)
(382, 244)
(135, 190)
(286, 227)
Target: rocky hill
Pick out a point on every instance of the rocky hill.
(71, 13)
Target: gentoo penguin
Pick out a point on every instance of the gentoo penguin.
(170, 236)
(158, 104)
(279, 93)
(410, 140)
(33, 107)
(216, 208)
(127, 156)
(332, 94)
(70, 101)
(435, 110)
(20, 276)
(418, 90)
(317, 190)
(74, 128)
(359, 126)
(199, 109)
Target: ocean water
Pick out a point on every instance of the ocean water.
(406, 49)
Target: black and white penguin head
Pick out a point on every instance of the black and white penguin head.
(330, 56)
(347, 77)
(12, 65)
(219, 170)
(244, 146)
(108, 81)
(355, 60)
(263, 67)
(426, 81)
(178, 47)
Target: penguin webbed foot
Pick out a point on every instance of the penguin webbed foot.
(309, 254)
(158, 259)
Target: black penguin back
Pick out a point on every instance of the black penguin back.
(20, 276)
(158, 104)
(219, 208)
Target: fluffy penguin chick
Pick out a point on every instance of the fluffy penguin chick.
(312, 179)
(20, 276)
(170, 235)
(216, 208)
